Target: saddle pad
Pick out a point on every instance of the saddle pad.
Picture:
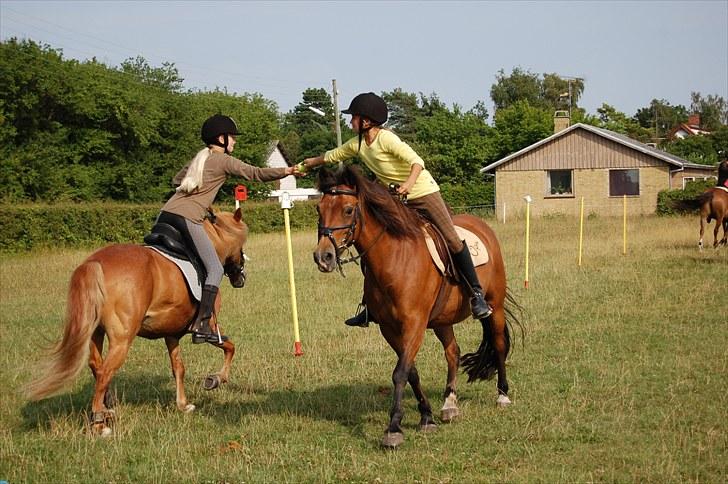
(189, 272)
(723, 188)
(477, 248)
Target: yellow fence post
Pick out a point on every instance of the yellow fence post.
(286, 206)
(528, 200)
(624, 225)
(581, 228)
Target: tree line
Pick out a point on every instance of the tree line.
(83, 131)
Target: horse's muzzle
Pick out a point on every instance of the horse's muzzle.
(325, 258)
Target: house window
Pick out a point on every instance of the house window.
(624, 182)
(559, 183)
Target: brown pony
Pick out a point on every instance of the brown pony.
(405, 292)
(123, 291)
(714, 206)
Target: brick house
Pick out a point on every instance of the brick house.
(585, 161)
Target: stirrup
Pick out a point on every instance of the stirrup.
(205, 335)
(480, 308)
(212, 338)
(361, 319)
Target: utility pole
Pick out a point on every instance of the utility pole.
(337, 121)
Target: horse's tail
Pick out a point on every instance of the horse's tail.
(693, 204)
(86, 296)
(483, 363)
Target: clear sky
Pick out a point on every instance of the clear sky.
(629, 52)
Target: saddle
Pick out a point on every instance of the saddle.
(170, 241)
(442, 258)
(440, 253)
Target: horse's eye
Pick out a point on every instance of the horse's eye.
(348, 211)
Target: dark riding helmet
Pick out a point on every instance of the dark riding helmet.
(217, 125)
(369, 105)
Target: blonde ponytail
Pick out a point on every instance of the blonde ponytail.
(193, 178)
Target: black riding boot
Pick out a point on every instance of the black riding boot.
(464, 263)
(200, 327)
(362, 317)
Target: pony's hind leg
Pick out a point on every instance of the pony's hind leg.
(502, 345)
(450, 409)
(178, 370)
(100, 415)
(95, 360)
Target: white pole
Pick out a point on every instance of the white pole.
(337, 124)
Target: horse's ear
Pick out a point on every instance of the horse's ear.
(238, 216)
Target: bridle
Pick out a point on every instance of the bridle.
(232, 269)
(349, 238)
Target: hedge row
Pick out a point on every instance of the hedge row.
(668, 201)
(25, 227)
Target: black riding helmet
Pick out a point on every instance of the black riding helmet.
(215, 126)
(370, 106)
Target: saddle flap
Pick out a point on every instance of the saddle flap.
(440, 255)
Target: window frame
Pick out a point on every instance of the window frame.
(639, 184)
(549, 188)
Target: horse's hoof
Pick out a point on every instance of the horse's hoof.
(428, 427)
(447, 415)
(189, 408)
(106, 432)
(211, 382)
(503, 401)
(392, 440)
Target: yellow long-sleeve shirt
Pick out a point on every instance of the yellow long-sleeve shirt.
(390, 159)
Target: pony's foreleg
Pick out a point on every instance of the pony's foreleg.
(446, 335)
(213, 381)
(406, 346)
(427, 423)
(178, 370)
(702, 231)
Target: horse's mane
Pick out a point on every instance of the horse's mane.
(225, 224)
(374, 199)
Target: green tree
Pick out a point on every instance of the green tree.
(404, 109)
(518, 126)
(660, 117)
(609, 118)
(697, 149)
(454, 144)
(713, 110)
(165, 77)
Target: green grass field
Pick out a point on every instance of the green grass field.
(622, 377)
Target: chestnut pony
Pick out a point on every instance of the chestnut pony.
(123, 291)
(405, 292)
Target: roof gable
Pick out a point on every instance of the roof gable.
(604, 133)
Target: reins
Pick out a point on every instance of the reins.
(349, 238)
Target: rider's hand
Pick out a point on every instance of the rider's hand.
(404, 189)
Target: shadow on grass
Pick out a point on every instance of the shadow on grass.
(348, 405)
(130, 389)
